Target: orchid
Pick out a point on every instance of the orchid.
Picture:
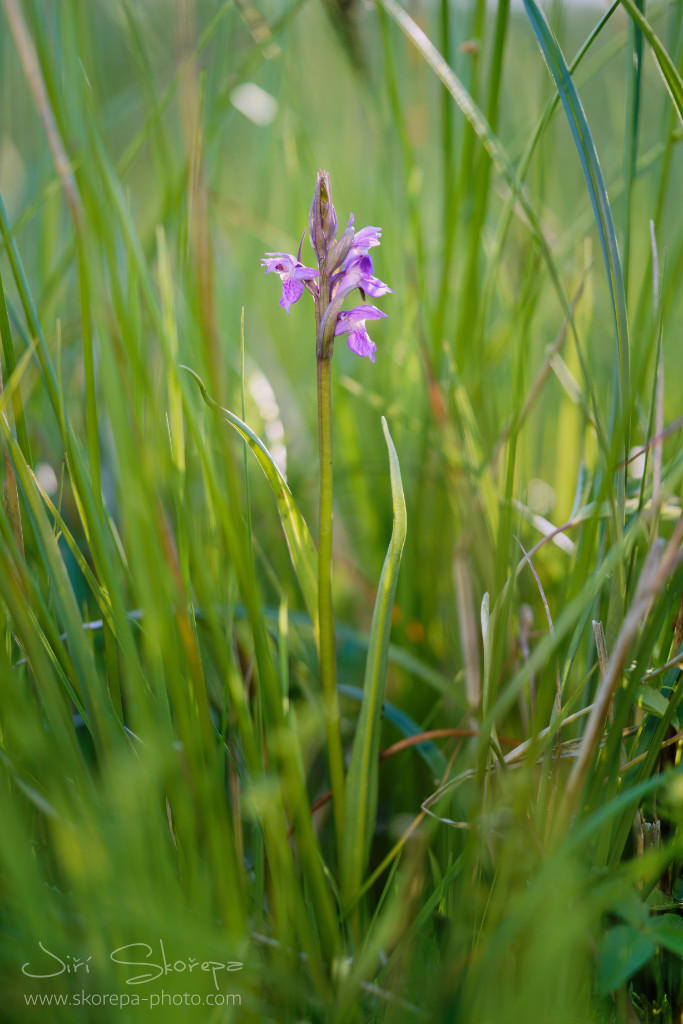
(360, 265)
(352, 322)
(364, 239)
(344, 264)
(293, 275)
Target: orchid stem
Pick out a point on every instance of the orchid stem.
(328, 669)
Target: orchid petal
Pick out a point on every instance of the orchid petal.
(292, 290)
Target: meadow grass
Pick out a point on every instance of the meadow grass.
(504, 838)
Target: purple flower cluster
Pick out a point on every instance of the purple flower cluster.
(344, 264)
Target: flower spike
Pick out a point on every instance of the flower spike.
(344, 264)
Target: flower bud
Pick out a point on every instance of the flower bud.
(322, 220)
(341, 248)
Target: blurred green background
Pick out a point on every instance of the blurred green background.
(194, 131)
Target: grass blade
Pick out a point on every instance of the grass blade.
(10, 366)
(299, 541)
(484, 132)
(667, 68)
(362, 781)
(590, 164)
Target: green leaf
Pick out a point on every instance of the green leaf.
(667, 68)
(299, 541)
(597, 191)
(667, 931)
(362, 781)
(10, 365)
(488, 138)
(654, 702)
(427, 750)
(622, 952)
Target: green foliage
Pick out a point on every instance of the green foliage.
(511, 846)
(362, 780)
(301, 546)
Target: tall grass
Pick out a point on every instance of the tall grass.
(511, 842)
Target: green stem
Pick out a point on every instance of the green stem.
(328, 670)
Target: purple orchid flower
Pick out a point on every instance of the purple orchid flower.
(344, 264)
(356, 271)
(363, 240)
(352, 322)
(370, 284)
(293, 275)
